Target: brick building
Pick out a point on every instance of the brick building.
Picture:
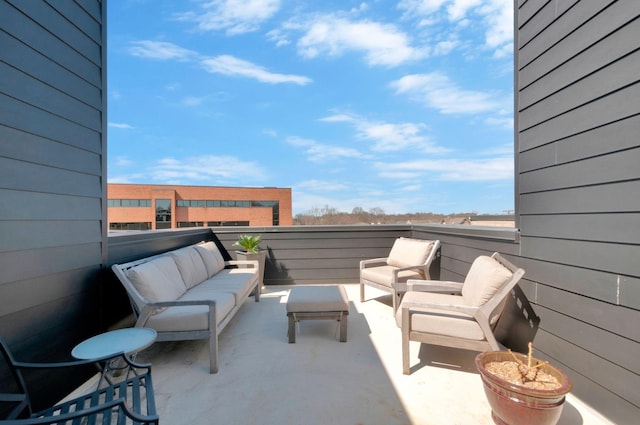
(147, 207)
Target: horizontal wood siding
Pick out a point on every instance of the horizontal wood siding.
(578, 115)
(52, 148)
(322, 254)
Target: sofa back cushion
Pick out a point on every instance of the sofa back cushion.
(211, 257)
(486, 276)
(408, 252)
(158, 279)
(190, 265)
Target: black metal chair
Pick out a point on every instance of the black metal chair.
(128, 401)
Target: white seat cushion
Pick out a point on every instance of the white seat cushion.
(190, 264)
(238, 282)
(211, 257)
(158, 279)
(408, 252)
(440, 322)
(486, 276)
(383, 275)
(191, 318)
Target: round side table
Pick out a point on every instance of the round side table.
(128, 341)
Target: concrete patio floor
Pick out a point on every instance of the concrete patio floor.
(318, 380)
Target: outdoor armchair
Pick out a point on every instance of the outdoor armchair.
(128, 401)
(408, 259)
(461, 315)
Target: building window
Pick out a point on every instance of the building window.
(190, 224)
(129, 202)
(163, 213)
(227, 223)
(130, 226)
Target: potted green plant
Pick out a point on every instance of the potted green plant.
(521, 389)
(252, 251)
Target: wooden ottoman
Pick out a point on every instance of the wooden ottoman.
(317, 302)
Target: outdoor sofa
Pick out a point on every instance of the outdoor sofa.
(189, 293)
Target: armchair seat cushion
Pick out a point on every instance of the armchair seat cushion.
(383, 275)
(440, 322)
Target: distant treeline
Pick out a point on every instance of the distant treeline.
(329, 215)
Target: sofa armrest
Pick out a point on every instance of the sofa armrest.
(150, 308)
(252, 263)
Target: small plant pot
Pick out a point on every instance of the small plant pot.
(513, 404)
(259, 256)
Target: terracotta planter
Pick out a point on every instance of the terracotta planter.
(514, 404)
(260, 257)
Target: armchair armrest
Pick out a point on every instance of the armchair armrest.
(426, 307)
(440, 286)
(372, 261)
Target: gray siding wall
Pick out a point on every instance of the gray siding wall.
(52, 156)
(578, 121)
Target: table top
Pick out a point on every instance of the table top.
(126, 341)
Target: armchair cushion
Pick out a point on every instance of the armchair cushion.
(384, 275)
(486, 276)
(158, 279)
(441, 322)
(211, 257)
(409, 252)
(190, 264)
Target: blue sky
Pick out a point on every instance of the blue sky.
(405, 106)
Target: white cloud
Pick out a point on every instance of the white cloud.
(192, 101)
(230, 65)
(120, 125)
(494, 16)
(389, 137)
(451, 169)
(319, 153)
(437, 91)
(420, 7)
(233, 16)
(160, 50)
(332, 35)
(322, 185)
(208, 168)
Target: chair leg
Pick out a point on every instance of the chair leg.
(406, 368)
(361, 292)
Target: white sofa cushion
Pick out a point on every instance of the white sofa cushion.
(191, 318)
(408, 252)
(190, 264)
(211, 257)
(158, 279)
(486, 276)
(233, 281)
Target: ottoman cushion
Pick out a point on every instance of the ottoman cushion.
(317, 299)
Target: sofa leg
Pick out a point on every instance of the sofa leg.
(361, 292)
(213, 353)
